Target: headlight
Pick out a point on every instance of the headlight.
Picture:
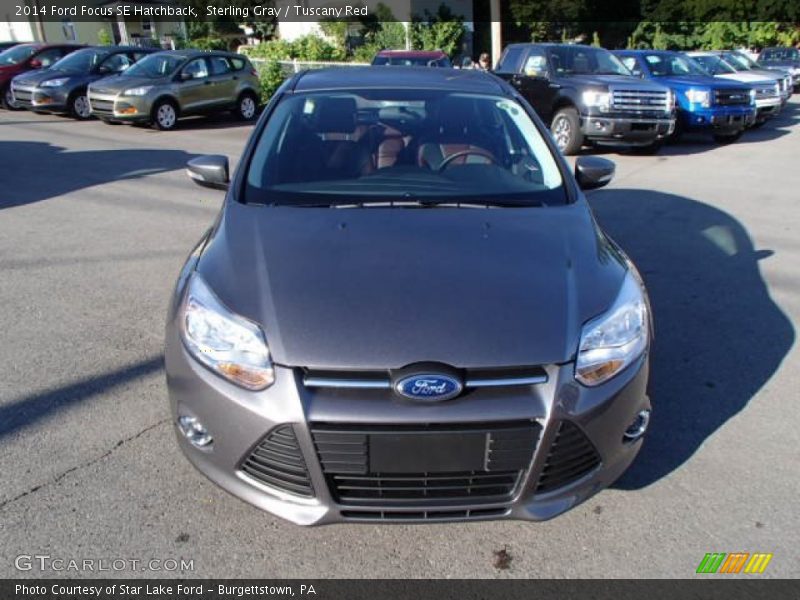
(615, 339)
(54, 82)
(670, 101)
(138, 91)
(601, 100)
(228, 344)
(701, 97)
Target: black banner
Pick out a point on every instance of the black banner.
(713, 588)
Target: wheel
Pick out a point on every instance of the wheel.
(165, 115)
(79, 106)
(677, 132)
(246, 106)
(7, 99)
(566, 131)
(727, 138)
(649, 149)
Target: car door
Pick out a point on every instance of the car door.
(223, 80)
(535, 84)
(194, 88)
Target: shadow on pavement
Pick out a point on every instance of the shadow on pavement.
(25, 411)
(719, 337)
(35, 171)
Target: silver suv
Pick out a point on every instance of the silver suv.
(165, 86)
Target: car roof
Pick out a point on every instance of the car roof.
(359, 78)
(192, 52)
(412, 53)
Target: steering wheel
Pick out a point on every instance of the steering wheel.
(449, 160)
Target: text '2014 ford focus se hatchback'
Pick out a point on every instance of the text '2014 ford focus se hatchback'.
(406, 310)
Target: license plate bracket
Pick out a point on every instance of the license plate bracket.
(423, 452)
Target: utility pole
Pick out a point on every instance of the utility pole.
(497, 31)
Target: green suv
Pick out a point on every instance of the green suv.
(165, 86)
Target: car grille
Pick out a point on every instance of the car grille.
(23, 96)
(344, 453)
(424, 515)
(732, 97)
(640, 100)
(767, 91)
(102, 106)
(278, 462)
(571, 457)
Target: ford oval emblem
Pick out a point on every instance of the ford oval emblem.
(429, 387)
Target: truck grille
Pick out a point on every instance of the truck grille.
(571, 457)
(344, 453)
(640, 100)
(731, 97)
(278, 462)
(767, 91)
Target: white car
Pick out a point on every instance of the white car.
(768, 93)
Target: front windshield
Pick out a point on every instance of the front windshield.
(81, 61)
(16, 55)
(402, 148)
(581, 60)
(780, 54)
(739, 62)
(154, 66)
(714, 64)
(672, 65)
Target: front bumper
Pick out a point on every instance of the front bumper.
(634, 131)
(767, 108)
(120, 108)
(240, 421)
(40, 99)
(718, 119)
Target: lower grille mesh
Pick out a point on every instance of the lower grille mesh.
(344, 453)
(571, 457)
(278, 462)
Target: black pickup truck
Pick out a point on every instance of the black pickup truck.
(587, 95)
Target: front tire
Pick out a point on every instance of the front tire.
(165, 115)
(79, 107)
(566, 131)
(247, 106)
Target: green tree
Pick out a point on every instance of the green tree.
(104, 37)
(596, 40)
(270, 77)
(441, 31)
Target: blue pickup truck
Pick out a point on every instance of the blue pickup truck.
(704, 103)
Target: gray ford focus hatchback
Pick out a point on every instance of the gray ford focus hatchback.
(406, 311)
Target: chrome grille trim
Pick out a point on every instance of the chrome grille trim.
(639, 100)
(386, 384)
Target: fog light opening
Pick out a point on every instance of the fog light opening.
(637, 427)
(194, 431)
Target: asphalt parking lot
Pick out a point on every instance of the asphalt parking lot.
(95, 222)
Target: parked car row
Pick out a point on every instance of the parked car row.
(641, 98)
(127, 84)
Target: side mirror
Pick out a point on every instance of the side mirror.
(593, 172)
(209, 171)
(35, 63)
(186, 76)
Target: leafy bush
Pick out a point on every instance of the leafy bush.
(104, 37)
(441, 31)
(365, 52)
(270, 77)
(308, 47)
(207, 43)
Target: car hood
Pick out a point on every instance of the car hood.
(383, 288)
(116, 84)
(39, 77)
(698, 80)
(615, 80)
(750, 77)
